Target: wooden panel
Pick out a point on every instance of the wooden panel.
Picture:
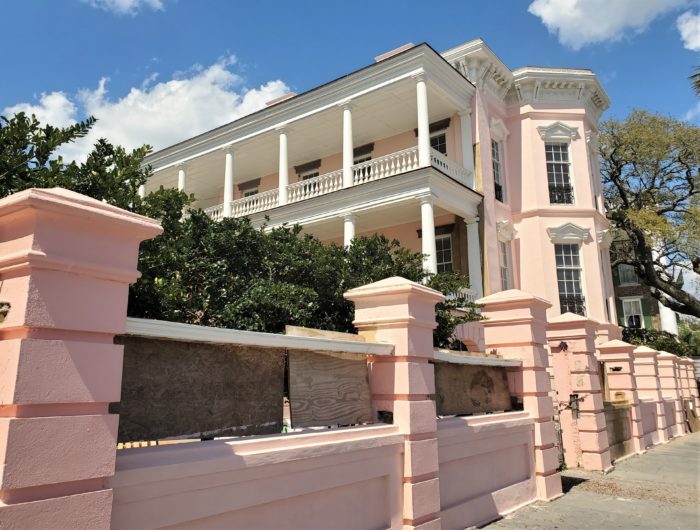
(328, 389)
(466, 389)
(175, 388)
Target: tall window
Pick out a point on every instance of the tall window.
(438, 141)
(443, 253)
(571, 298)
(506, 267)
(632, 311)
(497, 161)
(558, 175)
(627, 274)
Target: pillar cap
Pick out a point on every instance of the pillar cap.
(395, 285)
(666, 355)
(512, 297)
(645, 351)
(74, 204)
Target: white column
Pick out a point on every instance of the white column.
(465, 123)
(283, 167)
(228, 182)
(181, 178)
(428, 234)
(142, 191)
(476, 281)
(349, 228)
(423, 121)
(347, 145)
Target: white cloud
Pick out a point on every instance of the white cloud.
(693, 115)
(158, 114)
(578, 23)
(689, 27)
(125, 7)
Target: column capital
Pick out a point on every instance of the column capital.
(420, 76)
(350, 216)
(347, 104)
(228, 149)
(182, 166)
(426, 198)
(282, 129)
(465, 113)
(471, 220)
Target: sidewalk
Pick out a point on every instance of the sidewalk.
(656, 490)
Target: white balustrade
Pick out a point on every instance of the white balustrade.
(215, 212)
(316, 186)
(374, 169)
(255, 203)
(449, 167)
(386, 166)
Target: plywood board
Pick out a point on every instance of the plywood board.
(468, 389)
(175, 388)
(328, 389)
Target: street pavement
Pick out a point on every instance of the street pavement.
(657, 491)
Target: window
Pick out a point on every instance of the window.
(497, 162)
(506, 268)
(438, 141)
(571, 298)
(627, 274)
(250, 192)
(308, 175)
(632, 311)
(443, 253)
(559, 180)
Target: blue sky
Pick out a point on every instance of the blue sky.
(158, 71)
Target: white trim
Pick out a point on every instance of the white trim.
(506, 231)
(188, 332)
(637, 299)
(558, 132)
(569, 233)
(455, 358)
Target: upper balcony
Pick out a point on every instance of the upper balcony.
(394, 117)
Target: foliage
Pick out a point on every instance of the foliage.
(650, 166)
(689, 334)
(695, 78)
(658, 340)
(223, 274)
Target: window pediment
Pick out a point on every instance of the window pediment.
(558, 131)
(506, 231)
(569, 233)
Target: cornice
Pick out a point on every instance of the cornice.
(569, 233)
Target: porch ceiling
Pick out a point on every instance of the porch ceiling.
(379, 114)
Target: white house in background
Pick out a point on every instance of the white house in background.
(486, 170)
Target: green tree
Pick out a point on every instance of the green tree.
(224, 274)
(695, 78)
(650, 166)
(689, 334)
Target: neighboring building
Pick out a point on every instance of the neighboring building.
(487, 171)
(636, 308)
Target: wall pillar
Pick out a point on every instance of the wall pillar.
(515, 327)
(670, 390)
(348, 153)
(428, 248)
(649, 389)
(423, 121)
(66, 262)
(618, 363)
(402, 313)
(228, 182)
(476, 281)
(465, 122)
(283, 167)
(692, 381)
(181, 177)
(572, 342)
(349, 228)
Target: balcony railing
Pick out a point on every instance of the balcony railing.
(375, 169)
(573, 303)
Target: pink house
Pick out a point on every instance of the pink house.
(454, 154)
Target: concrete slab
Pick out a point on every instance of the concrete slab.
(656, 490)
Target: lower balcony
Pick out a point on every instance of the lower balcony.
(378, 168)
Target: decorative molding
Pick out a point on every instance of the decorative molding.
(558, 131)
(592, 139)
(249, 184)
(604, 238)
(363, 150)
(499, 131)
(505, 230)
(569, 233)
(436, 126)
